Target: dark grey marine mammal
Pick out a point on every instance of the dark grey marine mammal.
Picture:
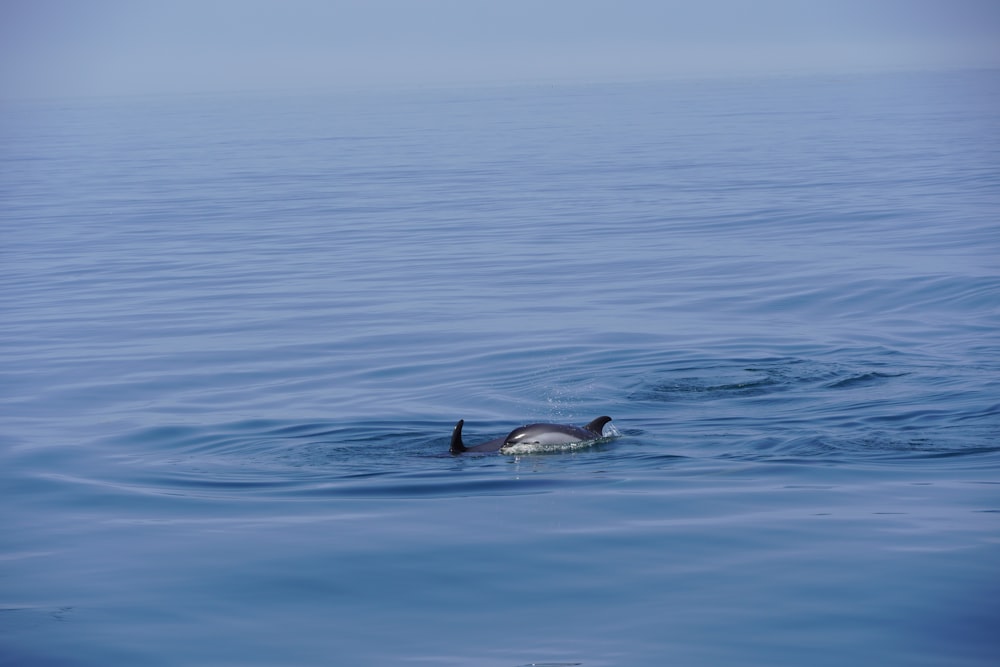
(533, 434)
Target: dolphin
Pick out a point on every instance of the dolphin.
(533, 434)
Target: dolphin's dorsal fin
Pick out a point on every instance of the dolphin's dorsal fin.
(456, 438)
(597, 426)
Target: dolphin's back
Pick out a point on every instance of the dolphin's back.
(597, 426)
(547, 434)
(556, 434)
(533, 434)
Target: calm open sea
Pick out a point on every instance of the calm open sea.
(237, 331)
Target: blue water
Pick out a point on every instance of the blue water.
(237, 331)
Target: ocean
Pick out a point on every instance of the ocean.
(237, 331)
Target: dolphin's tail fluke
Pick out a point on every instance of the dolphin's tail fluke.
(596, 426)
(456, 438)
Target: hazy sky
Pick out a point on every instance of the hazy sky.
(74, 47)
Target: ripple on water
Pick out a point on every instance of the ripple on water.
(257, 459)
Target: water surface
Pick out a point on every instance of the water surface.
(237, 332)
